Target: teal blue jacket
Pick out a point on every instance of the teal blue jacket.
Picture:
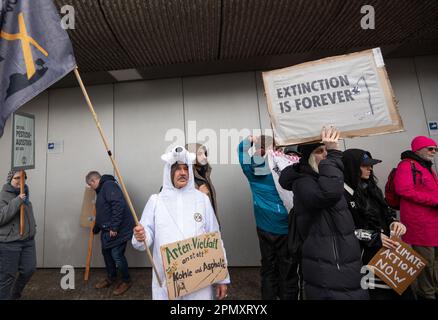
(269, 211)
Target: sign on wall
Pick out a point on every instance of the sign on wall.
(351, 92)
(193, 264)
(397, 268)
(23, 141)
(55, 146)
(433, 128)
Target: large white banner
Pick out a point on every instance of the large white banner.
(351, 92)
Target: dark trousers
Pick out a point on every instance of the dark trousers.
(427, 281)
(279, 271)
(115, 259)
(17, 265)
(389, 294)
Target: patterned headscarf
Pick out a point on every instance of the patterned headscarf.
(11, 174)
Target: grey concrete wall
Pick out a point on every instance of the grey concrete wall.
(143, 113)
(228, 101)
(65, 242)
(137, 116)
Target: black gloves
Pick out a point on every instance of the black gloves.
(96, 229)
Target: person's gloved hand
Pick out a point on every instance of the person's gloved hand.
(96, 229)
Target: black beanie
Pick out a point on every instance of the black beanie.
(307, 149)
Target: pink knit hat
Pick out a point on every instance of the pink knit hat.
(422, 142)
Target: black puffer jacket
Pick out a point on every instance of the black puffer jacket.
(331, 252)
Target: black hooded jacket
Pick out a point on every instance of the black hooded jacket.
(112, 213)
(367, 204)
(331, 252)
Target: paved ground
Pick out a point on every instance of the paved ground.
(45, 284)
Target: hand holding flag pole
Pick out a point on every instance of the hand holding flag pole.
(116, 169)
(22, 177)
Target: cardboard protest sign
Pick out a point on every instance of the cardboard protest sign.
(351, 92)
(87, 211)
(193, 264)
(397, 268)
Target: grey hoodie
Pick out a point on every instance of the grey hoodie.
(10, 216)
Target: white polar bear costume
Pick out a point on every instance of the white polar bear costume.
(170, 216)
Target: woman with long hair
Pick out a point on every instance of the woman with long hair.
(374, 220)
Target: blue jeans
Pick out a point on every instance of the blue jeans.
(17, 265)
(115, 259)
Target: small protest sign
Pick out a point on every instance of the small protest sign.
(88, 208)
(193, 264)
(351, 92)
(397, 268)
(23, 141)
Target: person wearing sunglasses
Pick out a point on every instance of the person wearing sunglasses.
(17, 252)
(416, 184)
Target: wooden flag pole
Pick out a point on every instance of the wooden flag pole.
(90, 247)
(116, 169)
(22, 206)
